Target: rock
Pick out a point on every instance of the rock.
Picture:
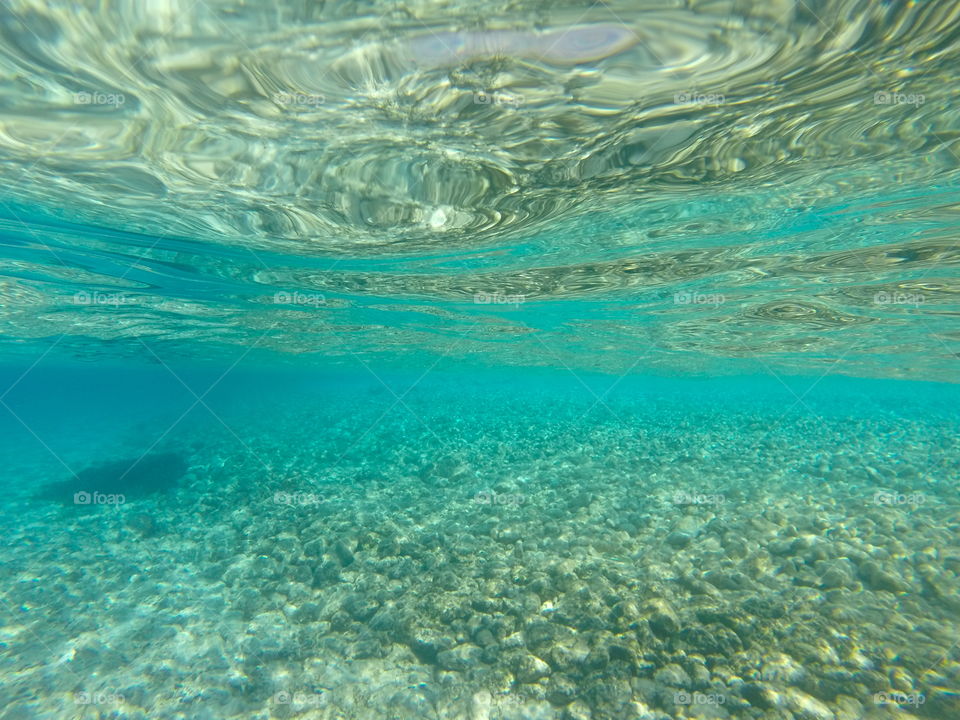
(366, 648)
(540, 634)
(483, 637)
(360, 607)
(783, 669)
(621, 652)
(836, 577)
(490, 654)
(144, 524)
(688, 524)
(597, 659)
(561, 690)
(607, 697)
(508, 535)
(782, 548)
(806, 707)
(306, 613)
(249, 602)
(759, 695)
(325, 573)
(711, 640)
(699, 676)
(390, 620)
(529, 710)
(880, 579)
(764, 607)
(847, 708)
(343, 553)
(480, 706)
(427, 645)
(136, 694)
(529, 668)
(663, 621)
(625, 614)
(565, 659)
(679, 539)
(723, 580)
(314, 548)
(461, 658)
(514, 640)
(577, 710)
(672, 675)
(641, 711)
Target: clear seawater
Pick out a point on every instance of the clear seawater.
(519, 361)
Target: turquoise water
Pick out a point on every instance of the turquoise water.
(391, 361)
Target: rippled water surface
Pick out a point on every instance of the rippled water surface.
(691, 186)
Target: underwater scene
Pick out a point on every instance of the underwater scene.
(430, 360)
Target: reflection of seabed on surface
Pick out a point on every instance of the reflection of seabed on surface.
(381, 172)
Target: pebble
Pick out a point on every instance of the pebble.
(529, 668)
(461, 658)
(795, 603)
(672, 675)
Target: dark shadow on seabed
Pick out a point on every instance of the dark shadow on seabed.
(119, 480)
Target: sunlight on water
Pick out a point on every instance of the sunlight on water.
(721, 184)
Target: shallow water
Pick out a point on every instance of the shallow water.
(428, 360)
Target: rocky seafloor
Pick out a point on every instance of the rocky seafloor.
(503, 559)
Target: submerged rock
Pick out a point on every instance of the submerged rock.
(529, 668)
(679, 539)
(461, 658)
(672, 675)
(881, 579)
(118, 481)
(360, 607)
(661, 617)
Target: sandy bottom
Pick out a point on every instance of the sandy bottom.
(504, 558)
